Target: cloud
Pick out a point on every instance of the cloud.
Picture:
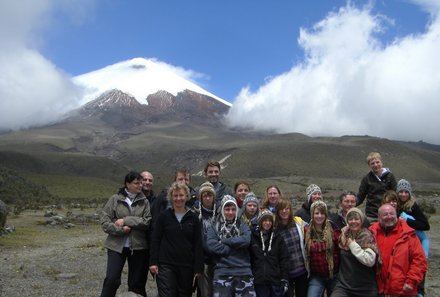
(350, 83)
(32, 90)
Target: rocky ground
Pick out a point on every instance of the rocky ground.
(37, 260)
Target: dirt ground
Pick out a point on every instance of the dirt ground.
(37, 260)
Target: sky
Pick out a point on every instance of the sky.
(323, 68)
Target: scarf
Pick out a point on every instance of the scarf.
(227, 229)
(324, 235)
(365, 239)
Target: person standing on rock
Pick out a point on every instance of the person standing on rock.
(377, 181)
(126, 219)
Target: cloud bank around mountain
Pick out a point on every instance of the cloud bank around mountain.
(350, 83)
(33, 90)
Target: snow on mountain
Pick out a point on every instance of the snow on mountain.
(139, 78)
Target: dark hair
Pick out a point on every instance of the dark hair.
(345, 194)
(131, 176)
(241, 183)
(212, 163)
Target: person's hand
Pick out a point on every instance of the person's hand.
(284, 286)
(126, 229)
(349, 240)
(194, 285)
(403, 216)
(407, 287)
(119, 222)
(154, 269)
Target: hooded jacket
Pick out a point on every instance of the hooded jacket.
(137, 217)
(372, 188)
(231, 254)
(407, 262)
(271, 265)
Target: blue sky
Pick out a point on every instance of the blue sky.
(315, 67)
(231, 43)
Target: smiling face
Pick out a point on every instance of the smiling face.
(135, 186)
(376, 166)
(266, 224)
(213, 174)
(147, 181)
(319, 217)
(284, 214)
(387, 216)
(241, 191)
(230, 211)
(348, 202)
(178, 198)
(315, 196)
(403, 196)
(354, 222)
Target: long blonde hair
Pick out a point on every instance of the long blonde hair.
(325, 234)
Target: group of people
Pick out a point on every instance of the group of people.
(221, 241)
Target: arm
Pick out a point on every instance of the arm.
(418, 264)
(108, 218)
(363, 191)
(419, 221)
(241, 241)
(215, 246)
(140, 222)
(198, 247)
(156, 239)
(366, 256)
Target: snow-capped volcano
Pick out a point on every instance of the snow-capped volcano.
(139, 78)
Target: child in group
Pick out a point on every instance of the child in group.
(228, 240)
(250, 211)
(270, 259)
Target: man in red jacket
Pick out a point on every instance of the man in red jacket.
(403, 260)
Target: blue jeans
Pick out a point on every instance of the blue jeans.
(317, 286)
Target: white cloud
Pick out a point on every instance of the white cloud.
(32, 90)
(351, 83)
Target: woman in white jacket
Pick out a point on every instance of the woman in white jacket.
(360, 259)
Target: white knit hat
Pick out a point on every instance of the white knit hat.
(312, 189)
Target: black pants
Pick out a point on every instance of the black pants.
(298, 286)
(137, 271)
(174, 281)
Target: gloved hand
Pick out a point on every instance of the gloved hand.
(284, 287)
(404, 216)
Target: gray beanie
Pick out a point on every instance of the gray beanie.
(404, 185)
(263, 214)
(312, 189)
(250, 197)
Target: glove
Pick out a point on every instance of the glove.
(404, 216)
(284, 287)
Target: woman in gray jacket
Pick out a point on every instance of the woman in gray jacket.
(126, 218)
